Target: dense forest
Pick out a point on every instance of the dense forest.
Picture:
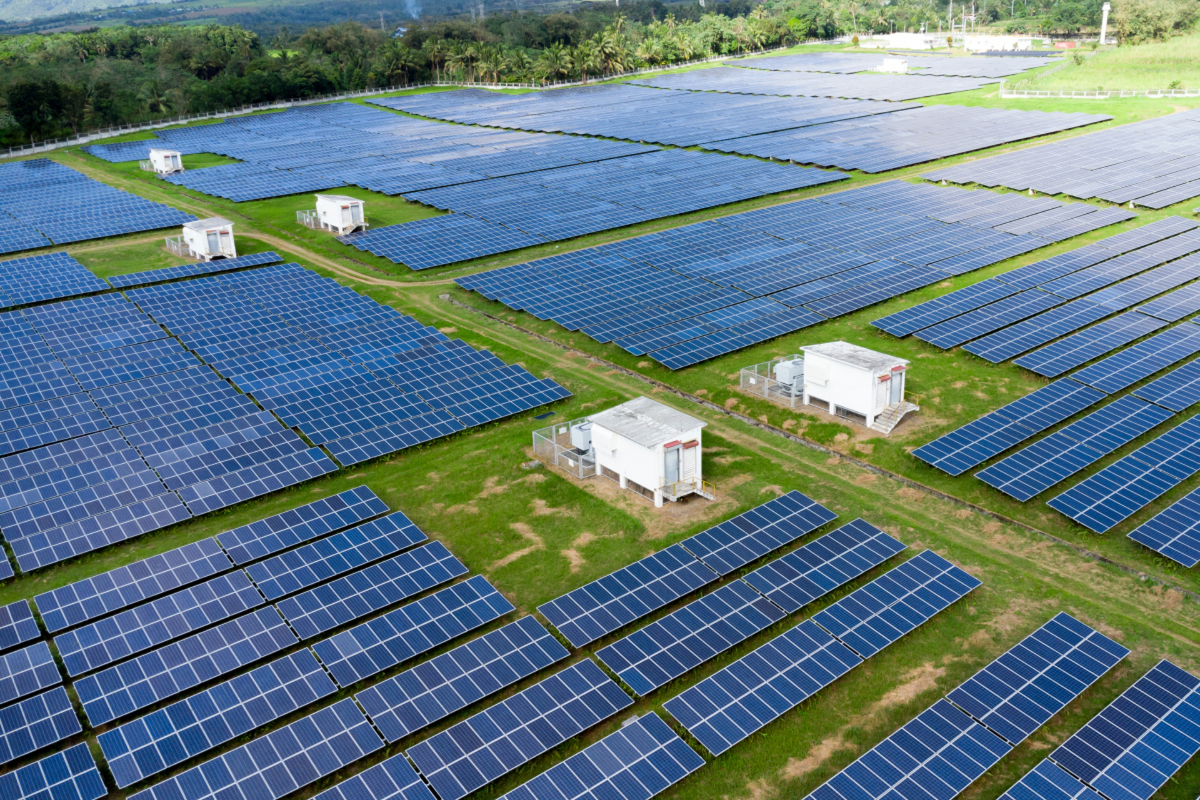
(54, 85)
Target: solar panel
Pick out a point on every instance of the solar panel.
(758, 688)
(1121, 488)
(174, 668)
(301, 524)
(26, 671)
(122, 587)
(932, 312)
(17, 624)
(1123, 369)
(1134, 746)
(640, 760)
(869, 619)
(140, 628)
(993, 433)
(1178, 390)
(370, 589)
(394, 779)
(1175, 531)
(410, 630)
(6, 570)
(452, 681)
(938, 754)
(736, 542)
(280, 762)
(150, 744)
(149, 276)
(70, 775)
(37, 722)
(606, 604)
(1034, 469)
(496, 741)
(796, 579)
(1037, 330)
(1086, 345)
(1021, 690)
(1048, 781)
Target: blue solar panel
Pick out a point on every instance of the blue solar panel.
(496, 741)
(147, 277)
(1178, 390)
(938, 754)
(606, 604)
(1174, 532)
(869, 619)
(1086, 345)
(308, 565)
(1021, 690)
(1134, 746)
(301, 524)
(68, 775)
(39, 721)
(1038, 330)
(742, 698)
(26, 671)
(452, 681)
(17, 624)
(1123, 369)
(932, 312)
(148, 745)
(174, 668)
(640, 760)
(1120, 489)
(257, 480)
(394, 779)
(1034, 469)
(993, 433)
(280, 762)
(410, 630)
(986, 319)
(1048, 781)
(736, 542)
(140, 628)
(796, 579)
(122, 587)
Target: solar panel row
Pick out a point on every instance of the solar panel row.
(26, 671)
(70, 774)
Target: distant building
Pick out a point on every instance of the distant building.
(163, 162)
(337, 213)
(205, 240)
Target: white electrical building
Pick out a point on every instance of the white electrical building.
(337, 213)
(205, 239)
(854, 382)
(164, 162)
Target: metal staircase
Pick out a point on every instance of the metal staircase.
(890, 417)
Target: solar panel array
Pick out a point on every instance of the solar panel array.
(394, 779)
(1048, 781)
(51, 276)
(693, 293)
(17, 625)
(501, 738)
(979, 66)
(214, 267)
(864, 87)
(557, 204)
(637, 762)
(44, 203)
(25, 671)
(1151, 163)
(1175, 531)
(69, 774)
(35, 723)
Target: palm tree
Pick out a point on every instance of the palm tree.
(436, 50)
(852, 7)
(555, 61)
(456, 56)
(156, 99)
(519, 64)
(650, 51)
(586, 59)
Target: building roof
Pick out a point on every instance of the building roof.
(341, 198)
(205, 224)
(646, 422)
(165, 151)
(857, 356)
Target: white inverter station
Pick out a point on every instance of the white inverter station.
(856, 383)
(163, 162)
(336, 213)
(205, 240)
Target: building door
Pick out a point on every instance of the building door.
(214, 243)
(226, 243)
(897, 383)
(356, 214)
(672, 465)
(345, 216)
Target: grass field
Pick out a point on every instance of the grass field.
(536, 533)
(1173, 64)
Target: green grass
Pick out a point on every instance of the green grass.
(148, 255)
(202, 160)
(1150, 66)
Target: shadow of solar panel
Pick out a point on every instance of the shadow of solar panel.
(35, 723)
(794, 580)
(1175, 531)
(169, 617)
(280, 762)
(174, 668)
(17, 624)
(1178, 390)
(452, 681)
(1134, 746)
(1120, 489)
(736, 542)
(630, 593)
(370, 589)
(869, 619)
(1089, 344)
(300, 524)
(146, 277)
(1030, 471)
(939, 754)
(71, 773)
(1021, 690)
(642, 759)
(760, 687)
(667, 648)
(148, 745)
(410, 630)
(1048, 781)
(993, 433)
(26, 671)
(496, 741)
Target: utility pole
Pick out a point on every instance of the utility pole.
(1104, 23)
(381, 30)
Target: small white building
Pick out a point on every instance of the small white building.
(854, 382)
(163, 162)
(337, 213)
(897, 66)
(643, 445)
(979, 43)
(204, 239)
